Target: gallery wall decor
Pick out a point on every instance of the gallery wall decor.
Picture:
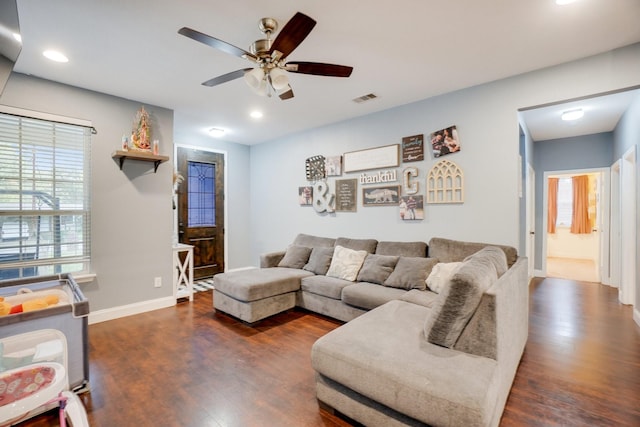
(411, 186)
(315, 168)
(372, 158)
(412, 148)
(323, 198)
(305, 195)
(411, 208)
(333, 165)
(346, 195)
(381, 196)
(445, 183)
(445, 141)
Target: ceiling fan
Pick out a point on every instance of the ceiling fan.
(270, 57)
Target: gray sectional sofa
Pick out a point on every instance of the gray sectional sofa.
(443, 354)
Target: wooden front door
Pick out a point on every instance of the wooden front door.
(201, 209)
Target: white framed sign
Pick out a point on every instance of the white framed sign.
(372, 158)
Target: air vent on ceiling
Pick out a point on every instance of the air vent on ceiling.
(365, 98)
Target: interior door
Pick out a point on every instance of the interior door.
(201, 209)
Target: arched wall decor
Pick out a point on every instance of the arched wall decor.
(445, 183)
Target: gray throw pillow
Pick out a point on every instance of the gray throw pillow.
(411, 273)
(377, 268)
(457, 302)
(319, 261)
(295, 257)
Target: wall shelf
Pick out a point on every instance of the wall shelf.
(144, 156)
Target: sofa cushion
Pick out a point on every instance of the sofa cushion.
(447, 250)
(369, 295)
(411, 273)
(440, 275)
(383, 356)
(423, 298)
(258, 283)
(346, 263)
(497, 257)
(376, 268)
(413, 249)
(295, 257)
(368, 245)
(325, 286)
(459, 299)
(319, 260)
(313, 241)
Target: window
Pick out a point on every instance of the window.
(565, 202)
(45, 219)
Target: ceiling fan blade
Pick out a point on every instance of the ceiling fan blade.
(216, 43)
(226, 77)
(319, 69)
(287, 93)
(292, 34)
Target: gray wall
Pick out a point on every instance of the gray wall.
(487, 122)
(626, 135)
(131, 209)
(581, 152)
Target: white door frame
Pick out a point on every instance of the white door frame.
(603, 256)
(628, 227)
(530, 220)
(614, 229)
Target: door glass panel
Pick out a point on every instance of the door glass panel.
(201, 194)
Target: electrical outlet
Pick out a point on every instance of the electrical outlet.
(157, 282)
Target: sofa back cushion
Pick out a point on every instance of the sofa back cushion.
(368, 245)
(376, 268)
(459, 299)
(412, 249)
(411, 273)
(313, 241)
(447, 250)
(346, 263)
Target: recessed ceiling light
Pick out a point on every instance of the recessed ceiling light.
(56, 56)
(256, 114)
(572, 114)
(563, 2)
(216, 132)
(17, 37)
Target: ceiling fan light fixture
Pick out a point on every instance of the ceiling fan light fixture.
(216, 132)
(279, 79)
(254, 78)
(570, 115)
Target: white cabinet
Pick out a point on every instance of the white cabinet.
(183, 271)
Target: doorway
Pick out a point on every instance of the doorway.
(201, 209)
(570, 255)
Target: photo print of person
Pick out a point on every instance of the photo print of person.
(305, 195)
(445, 141)
(333, 165)
(411, 208)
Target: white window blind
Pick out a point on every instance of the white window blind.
(565, 202)
(45, 218)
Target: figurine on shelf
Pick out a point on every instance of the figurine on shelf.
(125, 143)
(141, 135)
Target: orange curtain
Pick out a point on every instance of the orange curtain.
(580, 223)
(552, 205)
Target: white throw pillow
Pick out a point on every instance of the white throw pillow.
(346, 263)
(440, 275)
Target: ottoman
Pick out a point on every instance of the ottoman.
(252, 295)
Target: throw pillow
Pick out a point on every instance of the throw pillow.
(411, 273)
(319, 260)
(376, 268)
(295, 257)
(346, 263)
(458, 301)
(440, 275)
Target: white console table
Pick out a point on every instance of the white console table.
(183, 272)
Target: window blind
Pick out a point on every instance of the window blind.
(45, 218)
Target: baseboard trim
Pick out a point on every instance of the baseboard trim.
(636, 316)
(241, 268)
(538, 273)
(130, 309)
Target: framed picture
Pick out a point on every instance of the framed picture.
(445, 141)
(381, 196)
(412, 148)
(411, 208)
(333, 165)
(346, 195)
(305, 195)
(373, 158)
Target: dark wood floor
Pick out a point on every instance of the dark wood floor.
(187, 366)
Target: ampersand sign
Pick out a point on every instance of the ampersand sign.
(323, 199)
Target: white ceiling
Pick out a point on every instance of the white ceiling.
(403, 51)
